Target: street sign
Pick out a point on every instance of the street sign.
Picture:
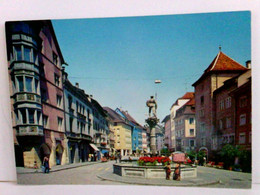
(178, 157)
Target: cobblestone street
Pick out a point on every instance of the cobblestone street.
(104, 171)
(80, 175)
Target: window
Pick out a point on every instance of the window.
(77, 106)
(71, 123)
(88, 113)
(59, 123)
(191, 120)
(23, 114)
(203, 141)
(192, 143)
(58, 98)
(243, 102)
(182, 142)
(20, 83)
(231, 139)
(78, 125)
(28, 83)
(44, 95)
(18, 52)
(228, 102)
(202, 127)
(192, 132)
(45, 121)
(70, 102)
(201, 113)
(214, 143)
(242, 119)
(242, 138)
(38, 117)
(222, 105)
(56, 79)
(31, 116)
(228, 122)
(202, 100)
(220, 124)
(224, 139)
(27, 54)
(36, 83)
(55, 58)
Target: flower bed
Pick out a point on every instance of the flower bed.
(152, 161)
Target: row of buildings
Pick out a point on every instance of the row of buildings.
(218, 112)
(51, 116)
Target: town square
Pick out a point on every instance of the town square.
(155, 100)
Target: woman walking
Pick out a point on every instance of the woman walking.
(46, 164)
(177, 173)
(168, 170)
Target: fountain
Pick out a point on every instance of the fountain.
(143, 170)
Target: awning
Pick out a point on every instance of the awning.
(103, 151)
(94, 147)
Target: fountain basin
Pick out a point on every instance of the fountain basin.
(149, 172)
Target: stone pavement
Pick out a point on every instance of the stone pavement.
(199, 181)
(22, 170)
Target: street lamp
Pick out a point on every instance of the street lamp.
(156, 82)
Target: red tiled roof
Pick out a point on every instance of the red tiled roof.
(188, 95)
(190, 102)
(222, 63)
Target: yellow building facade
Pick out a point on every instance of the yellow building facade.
(123, 142)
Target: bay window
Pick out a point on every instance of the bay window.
(27, 84)
(24, 53)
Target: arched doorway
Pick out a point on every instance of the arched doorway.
(206, 152)
(59, 151)
(19, 156)
(44, 151)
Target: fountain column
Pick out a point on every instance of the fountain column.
(152, 121)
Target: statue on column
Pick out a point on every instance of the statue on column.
(151, 103)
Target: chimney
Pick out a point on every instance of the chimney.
(248, 64)
(77, 85)
(89, 98)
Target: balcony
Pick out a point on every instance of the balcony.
(24, 37)
(24, 65)
(27, 97)
(33, 130)
(78, 136)
(81, 116)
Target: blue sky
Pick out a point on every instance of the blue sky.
(117, 59)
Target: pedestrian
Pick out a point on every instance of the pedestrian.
(119, 157)
(116, 158)
(177, 173)
(46, 164)
(89, 156)
(168, 170)
(204, 161)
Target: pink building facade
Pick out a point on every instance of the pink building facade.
(35, 60)
(221, 69)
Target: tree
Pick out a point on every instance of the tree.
(228, 154)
